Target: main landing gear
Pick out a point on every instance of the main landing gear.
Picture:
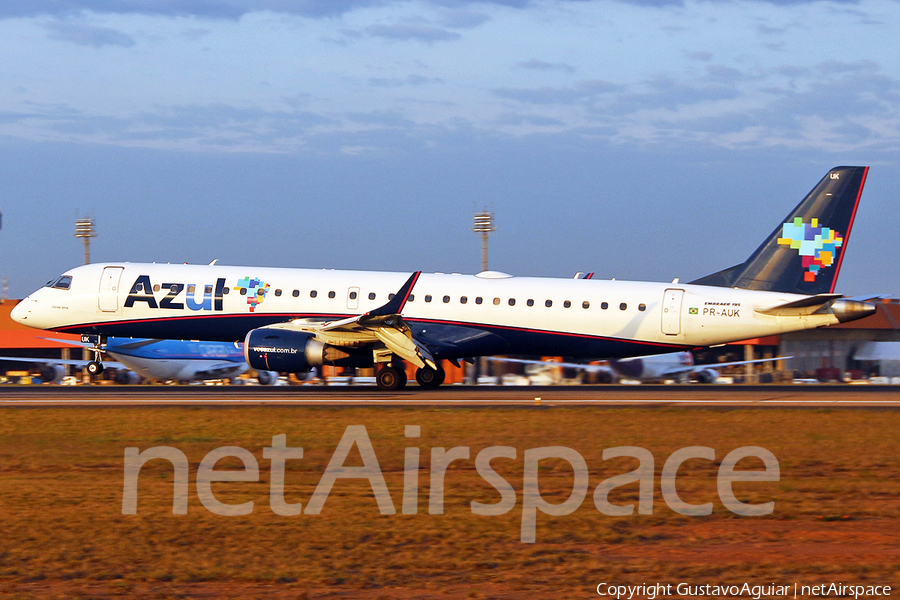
(393, 377)
(430, 378)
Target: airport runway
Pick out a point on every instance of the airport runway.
(763, 396)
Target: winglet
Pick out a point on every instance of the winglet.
(395, 305)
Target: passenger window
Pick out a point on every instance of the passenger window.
(478, 300)
(155, 288)
(353, 296)
(411, 298)
(604, 305)
(446, 299)
(391, 296)
(371, 295)
(260, 292)
(623, 306)
(496, 301)
(278, 292)
(548, 303)
(208, 290)
(243, 291)
(191, 289)
(295, 293)
(642, 307)
(567, 304)
(530, 302)
(585, 304)
(463, 300)
(313, 293)
(331, 294)
(428, 298)
(512, 301)
(226, 290)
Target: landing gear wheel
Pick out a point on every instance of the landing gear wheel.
(95, 367)
(390, 378)
(430, 378)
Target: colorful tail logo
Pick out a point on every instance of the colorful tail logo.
(255, 289)
(817, 245)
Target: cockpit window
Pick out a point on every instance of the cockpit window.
(62, 283)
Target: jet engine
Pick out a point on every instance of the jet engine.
(124, 377)
(707, 376)
(267, 377)
(52, 373)
(285, 351)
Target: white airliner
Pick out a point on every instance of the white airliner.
(159, 360)
(653, 367)
(294, 319)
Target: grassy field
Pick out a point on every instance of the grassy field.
(836, 516)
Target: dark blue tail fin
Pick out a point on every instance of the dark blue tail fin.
(804, 253)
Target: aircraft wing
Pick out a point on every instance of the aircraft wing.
(588, 368)
(383, 325)
(222, 370)
(715, 366)
(58, 361)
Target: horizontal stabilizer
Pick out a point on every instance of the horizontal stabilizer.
(804, 306)
(843, 309)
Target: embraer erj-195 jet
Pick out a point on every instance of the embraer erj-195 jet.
(295, 319)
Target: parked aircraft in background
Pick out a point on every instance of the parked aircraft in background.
(654, 367)
(162, 360)
(292, 320)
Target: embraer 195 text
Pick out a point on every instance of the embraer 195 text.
(292, 320)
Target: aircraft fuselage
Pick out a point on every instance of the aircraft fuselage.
(456, 316)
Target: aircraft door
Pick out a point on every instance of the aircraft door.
(353, 298)
(671, 311)
(109, 289)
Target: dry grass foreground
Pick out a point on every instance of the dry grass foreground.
(64, 535)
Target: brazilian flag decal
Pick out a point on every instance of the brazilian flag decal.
(693, 311)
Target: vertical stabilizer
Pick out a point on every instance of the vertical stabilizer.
(804, 253)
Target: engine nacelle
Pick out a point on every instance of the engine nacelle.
(124, 377)
(267, 377)
(285, 351)
(707, 376)
(52, 373)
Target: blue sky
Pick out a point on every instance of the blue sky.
(643, 140)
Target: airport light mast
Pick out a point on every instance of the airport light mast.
(484, 224)
(84, 229)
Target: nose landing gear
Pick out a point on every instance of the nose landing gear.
(95, 367)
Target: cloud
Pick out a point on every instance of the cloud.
(581, 92)
(539, 65)
(394, 82)
(412, 32)
(234, 9)
(88, 35)
(533, 120)
(212, 9)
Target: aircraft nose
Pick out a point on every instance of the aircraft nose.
(21, 311)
